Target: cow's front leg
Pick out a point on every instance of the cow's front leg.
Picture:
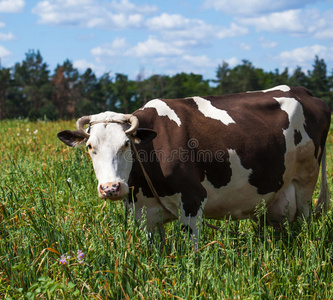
(191, 218)
(151, 216)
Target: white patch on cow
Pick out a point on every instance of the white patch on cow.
(107, 116)
(282, 88)
(212, 112)
(296, 121)
(111, 161)
(237, 199)
(155, 213)
(300, 162)
(163, 109)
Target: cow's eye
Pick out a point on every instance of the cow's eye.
(126, 144)
(89, 146)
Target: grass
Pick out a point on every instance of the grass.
(49, 207)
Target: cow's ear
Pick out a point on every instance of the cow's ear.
(144, 136)
(71, 138)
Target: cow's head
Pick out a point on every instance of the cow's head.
(108, 139)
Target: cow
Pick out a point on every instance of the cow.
(212, 157)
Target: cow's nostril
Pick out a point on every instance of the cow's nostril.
(110, 189)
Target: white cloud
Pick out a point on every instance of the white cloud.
(167, 22)
(6, 37)
(232, 31)
(182, 43)
(287, 21)
(267, 44)
(119, 43)
(297, 22)
(2, 24)
(153, 47)
(4, 52)
(88, 13)
(117, 47)
(11, 6)
(323, 25)
(82, 65)
(170, 56)
(176, 27)
(232, 62)
(304, 56)
(201, 61)
(245, 46)
(254, 7)
(126, 6)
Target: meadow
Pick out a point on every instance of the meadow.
(49, 210)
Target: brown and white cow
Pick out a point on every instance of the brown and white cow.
(215, 156)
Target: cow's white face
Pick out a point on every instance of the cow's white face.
(110, 150)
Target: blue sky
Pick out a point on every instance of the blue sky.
(168, 37)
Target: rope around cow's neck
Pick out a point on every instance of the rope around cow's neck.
(150, 184)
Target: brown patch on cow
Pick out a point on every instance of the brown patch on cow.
(297, 137)
(257, 136)
(317, 117)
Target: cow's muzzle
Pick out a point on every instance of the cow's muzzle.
(112, 190)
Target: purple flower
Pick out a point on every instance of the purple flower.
(80, 256)
(63, 260)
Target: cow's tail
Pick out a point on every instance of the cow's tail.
(322, 203)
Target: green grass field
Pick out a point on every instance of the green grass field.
(49, 207)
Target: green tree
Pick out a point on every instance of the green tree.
(126, 96)
(32, 79)
(121, 86)
(5, 82)
(298, 78)
(318, 81)
(329, 98)
(244, 78)
(108, 92)
(92, 99)
(187, 85)
(222, 74)
(65, 91)
(241, 78)
(281, 78)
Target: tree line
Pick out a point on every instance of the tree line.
(29, 90)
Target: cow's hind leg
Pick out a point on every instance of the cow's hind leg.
(304, 194)
(305, 185)
(305, 179)
(284, 207)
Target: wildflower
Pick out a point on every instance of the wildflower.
(80, 256)
(60, 192)
(36, 131)
(18, 134)
(63, 260)
(27, 129)
(69, 179)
